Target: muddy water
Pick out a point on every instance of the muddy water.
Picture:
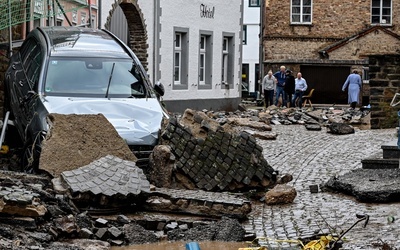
(209, 245)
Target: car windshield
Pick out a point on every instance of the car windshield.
(93, 77)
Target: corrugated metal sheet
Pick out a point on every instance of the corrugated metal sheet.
(119, 25)
(327, 82)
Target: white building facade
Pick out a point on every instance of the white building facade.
(251, 46)
(194, 50)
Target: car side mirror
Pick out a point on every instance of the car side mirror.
(159, 88)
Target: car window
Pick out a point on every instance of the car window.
(31, 57)
(91, 77)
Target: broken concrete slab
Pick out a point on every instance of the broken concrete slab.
(108, 176)
(246, 122)
(262, 135)
(368, 185)
(340, 128)
(74, 141)
(198, 202)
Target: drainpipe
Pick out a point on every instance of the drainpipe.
(99, 13)
(241, 50)
(261, 48)
(90, 14)
(155, 39)
(9, 30)
(23, 26)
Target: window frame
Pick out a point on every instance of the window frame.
(205, 59)
(182, 50)
(227, 60)
(301, 15)
(244, 34)
(254, 3)
(381, 14)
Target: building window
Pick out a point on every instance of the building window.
(301, 11)
(180, 58)
(205, 60)
(254, 3)
(83, 18)
(202, 63)
(39, 7)
(244, 34)
(74, 16)
(227, 60)
(93, 24)
(365, 74)
(381, 12)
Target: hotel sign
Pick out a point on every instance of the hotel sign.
(206, 12)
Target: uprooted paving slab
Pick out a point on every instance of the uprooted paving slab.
(212, 156)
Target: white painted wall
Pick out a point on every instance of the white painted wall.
(251, 18)
(186, 14)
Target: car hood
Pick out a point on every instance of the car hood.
(137, 121)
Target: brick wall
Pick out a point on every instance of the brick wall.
(137, 29)
(331, 18)
(384, 84)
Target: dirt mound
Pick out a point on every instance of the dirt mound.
(74, 141)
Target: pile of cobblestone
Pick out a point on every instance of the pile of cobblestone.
(220, 160)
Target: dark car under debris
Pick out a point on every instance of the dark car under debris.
(72, 70)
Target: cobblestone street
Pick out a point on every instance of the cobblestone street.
(312, 157)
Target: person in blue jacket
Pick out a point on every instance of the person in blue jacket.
(281, 79)
(354, 84)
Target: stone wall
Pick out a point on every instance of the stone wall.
(330, 19)
(384, 83)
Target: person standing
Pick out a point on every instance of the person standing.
(354, 84)
(281, 78)
(300, 88)
(268, 86)
(289, 86)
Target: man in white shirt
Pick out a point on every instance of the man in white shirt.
(299, 90)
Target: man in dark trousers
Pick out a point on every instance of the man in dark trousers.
(281, 78)
(289, 87)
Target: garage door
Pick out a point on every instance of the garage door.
(327, 82)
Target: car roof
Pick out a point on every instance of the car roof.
(78, 41)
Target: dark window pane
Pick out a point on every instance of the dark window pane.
(295, 2)
(386, 3)
(386, 12)
(177, 59)
(177, 40)
(376, 3)
(306, 10)
(307, 3)
(307, 18)
(176, 74)
(296, 18)
(296, 10)
(375, 19)
(375, 11)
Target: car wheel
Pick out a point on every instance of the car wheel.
(31, 154)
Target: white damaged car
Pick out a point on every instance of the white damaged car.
(72, 70)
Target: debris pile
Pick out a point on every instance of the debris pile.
(215, 157)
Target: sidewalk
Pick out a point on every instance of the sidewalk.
(312, 157)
